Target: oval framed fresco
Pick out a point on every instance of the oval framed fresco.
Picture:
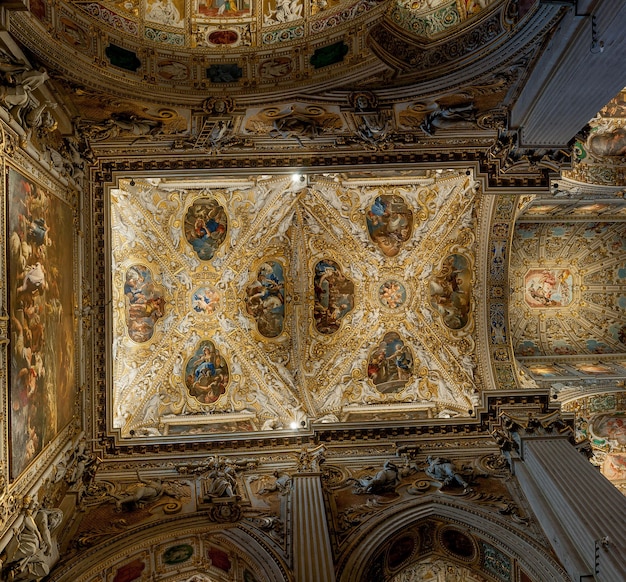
(334, 296)
(390, 364)
(206, 373)
(223, 37)
(144, 302)
(389, 223)
(265, 299)
(450, 291)
(205, 228)
(177, 554)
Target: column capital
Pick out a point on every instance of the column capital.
(310, 460)
(513, 430)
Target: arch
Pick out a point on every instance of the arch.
(482, 526)
(218, 552)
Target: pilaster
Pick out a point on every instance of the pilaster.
(579, 509)
(313, 559)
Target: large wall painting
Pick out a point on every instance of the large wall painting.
(145, 304)
(334, 296)
(390, 364)
(41, 248)
(548, 288)
(389, 223)
(609, 427)
(206, 225)
(265, 299)
(450, 291)
(206, 373)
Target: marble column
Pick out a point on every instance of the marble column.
(313, 558)
(581, 512)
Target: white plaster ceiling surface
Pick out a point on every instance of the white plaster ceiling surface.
(253, 305)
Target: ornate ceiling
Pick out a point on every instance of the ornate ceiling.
(182, 48)
(270, 302)
(421, 263)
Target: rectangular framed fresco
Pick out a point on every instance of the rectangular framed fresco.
(41, 319)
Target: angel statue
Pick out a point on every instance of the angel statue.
(31, 552)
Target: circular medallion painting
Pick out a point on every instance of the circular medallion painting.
(205, 300)
(392, 294)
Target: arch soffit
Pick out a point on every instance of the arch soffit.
(121, 548)
(375, 533)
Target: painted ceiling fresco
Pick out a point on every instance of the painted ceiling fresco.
(250, 47)
(568, 279)
(253, 305)
(219, 24)
(601, 419)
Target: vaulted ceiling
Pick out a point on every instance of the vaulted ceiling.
(306, 217)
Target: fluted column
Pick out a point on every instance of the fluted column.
(313, 559)
(581, 512)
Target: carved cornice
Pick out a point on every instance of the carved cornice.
(495, 181)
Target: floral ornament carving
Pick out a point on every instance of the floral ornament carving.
(310, 460)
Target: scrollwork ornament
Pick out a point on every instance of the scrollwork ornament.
(495, 464)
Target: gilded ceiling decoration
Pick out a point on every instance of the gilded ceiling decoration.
(251, 305)
(184, 48)
(568, 279)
